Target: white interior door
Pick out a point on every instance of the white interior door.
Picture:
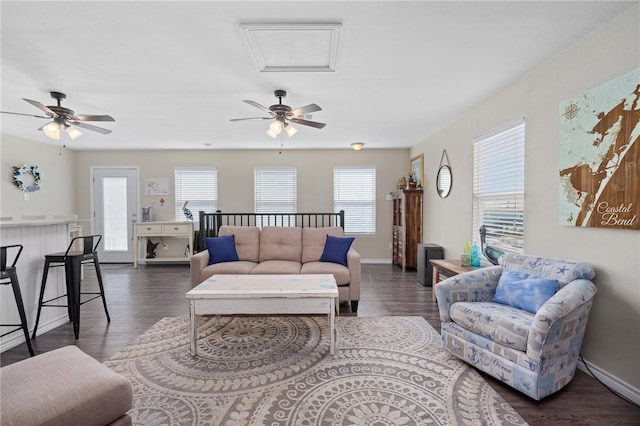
(115, 208)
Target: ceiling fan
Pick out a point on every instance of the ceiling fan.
(283, 115)
(64, 119)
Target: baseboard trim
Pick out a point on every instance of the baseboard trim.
(18, 337)
(614, 383)
(377, 261)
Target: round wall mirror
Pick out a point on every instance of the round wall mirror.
(444, 181)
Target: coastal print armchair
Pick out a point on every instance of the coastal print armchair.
(521, 321)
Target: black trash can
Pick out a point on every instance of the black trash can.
(425, 270)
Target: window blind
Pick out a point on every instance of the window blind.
(275, 191)
(498, 186)
(198, 186)
(354, 191)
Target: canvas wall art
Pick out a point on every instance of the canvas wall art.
(600, 156)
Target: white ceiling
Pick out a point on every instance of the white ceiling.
(172, 74)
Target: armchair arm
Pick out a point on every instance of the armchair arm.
(353, 263)
(198, 262)
(563, 317)
(473, 286)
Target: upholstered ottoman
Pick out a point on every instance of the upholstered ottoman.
(63, 387)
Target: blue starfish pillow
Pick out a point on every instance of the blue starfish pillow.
(524, 291)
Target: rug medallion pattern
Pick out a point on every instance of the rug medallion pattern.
(277, 370)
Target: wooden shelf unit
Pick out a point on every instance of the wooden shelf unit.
(407, 227)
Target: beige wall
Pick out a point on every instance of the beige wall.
(235, 180)
(612, 341)
(58, 172)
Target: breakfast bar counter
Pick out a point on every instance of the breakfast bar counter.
(39, 237)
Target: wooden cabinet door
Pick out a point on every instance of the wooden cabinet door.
(407, 227)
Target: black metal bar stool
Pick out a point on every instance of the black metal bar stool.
(10, 276)
(72, 261)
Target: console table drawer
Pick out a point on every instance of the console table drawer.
(176, 229)
(150, 229)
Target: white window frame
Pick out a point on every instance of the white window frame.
(201, 190)
(354, 191)
(275, 191)
(498, 186)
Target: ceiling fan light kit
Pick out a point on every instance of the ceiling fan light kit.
(290, 130)
(283, 115)
(52, 130)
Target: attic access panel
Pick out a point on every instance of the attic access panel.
(294, 47)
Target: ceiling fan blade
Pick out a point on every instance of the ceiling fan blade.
(257, 105)
(250, 118)
(19, 113)
(91, 127)
(306, 109)
(89, 117)
(41, 107)
(308, 123)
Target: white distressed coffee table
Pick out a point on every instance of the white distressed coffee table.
(263, 294)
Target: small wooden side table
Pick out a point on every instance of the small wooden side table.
(448, 268)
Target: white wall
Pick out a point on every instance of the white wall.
(612, 342)
(58, 173)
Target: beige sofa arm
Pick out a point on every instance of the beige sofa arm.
(353, 263)
(198, 262)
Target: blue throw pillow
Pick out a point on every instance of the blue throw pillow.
(335, 250)
(221, 249)
(524, 291)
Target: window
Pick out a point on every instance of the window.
(198, 186)
(275, 191)
(498, 186)
(354, 191)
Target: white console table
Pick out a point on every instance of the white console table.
(144, 230)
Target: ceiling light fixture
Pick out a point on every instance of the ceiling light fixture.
(357, 146)
(73, 133)
(280, 123)
(52, 130)
(275, 128)
(290, 130)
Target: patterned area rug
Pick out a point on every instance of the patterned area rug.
(277, 371)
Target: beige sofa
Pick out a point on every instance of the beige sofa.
(282, 250)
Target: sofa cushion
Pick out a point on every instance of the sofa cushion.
(247, 241)
(271, 267)
(524, 291)
(335, 249)
(313, 240)
(221, 249)
(281, 243)
(339, 272)
(241, 267)
(503, 324)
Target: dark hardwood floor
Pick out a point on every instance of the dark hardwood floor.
(138, 298)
